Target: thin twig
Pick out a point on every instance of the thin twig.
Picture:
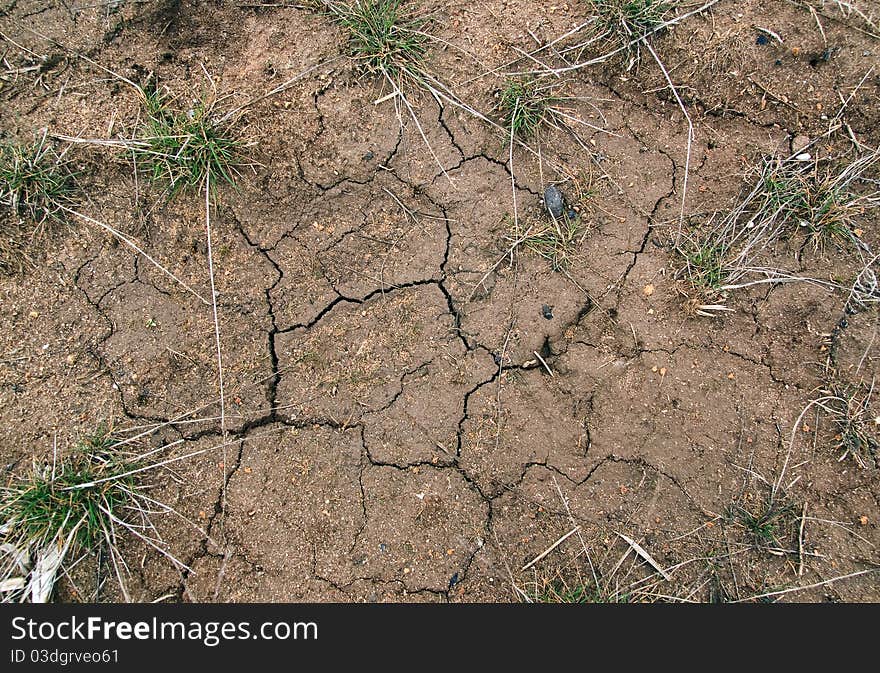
(690, 138)
(216, 333)
(645, 555)
(550, 548)
(546, 366)
(781, 592)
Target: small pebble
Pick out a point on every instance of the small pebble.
(547, 312)
(800, 143)
(554, 201)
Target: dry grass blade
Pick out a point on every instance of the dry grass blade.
(690, 139)
(216, 320)
(549, 549)
(645, 555)
(815, 585)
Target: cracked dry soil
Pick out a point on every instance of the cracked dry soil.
(391, 435)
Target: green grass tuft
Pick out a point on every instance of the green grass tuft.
(769, 522)
(620, 22)
(705, 264)
(556, 241)
(580, 592)
(70, 506)
(51, 504)
(182, 148)
(35, 181)
(818, 201)
(384, 38)
(857, 427)
(524, 105)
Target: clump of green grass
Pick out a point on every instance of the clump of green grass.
(789, 198)
(579, 591)
(555, 241)
(769, 521)
(818, 198)
(390, 40)
(384, 37)
(184, 148)
(705, 265)
(49, 503)
(857, 426)
(36, 182)
(68, 507)
(527, 105)
(620, 22)
(524, 105)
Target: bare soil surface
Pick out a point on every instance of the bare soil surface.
(402, 425)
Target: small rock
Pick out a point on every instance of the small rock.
(547, 312)
(571, 214)
(648, 290)
(554, 201)
(824, 57)
(799, 143)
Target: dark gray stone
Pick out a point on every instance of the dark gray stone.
(554, 201)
